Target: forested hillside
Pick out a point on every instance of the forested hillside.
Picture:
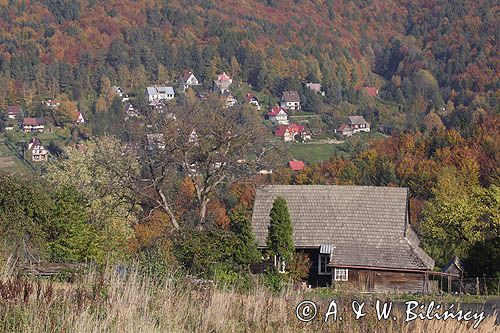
(433, 63)
(424, 54)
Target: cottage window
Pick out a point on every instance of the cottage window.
(341, 274)
(279, 263)
(323, 260)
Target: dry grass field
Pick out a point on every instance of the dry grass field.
(110, 302)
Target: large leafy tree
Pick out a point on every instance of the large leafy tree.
(104, 171)
(206, 143)
(460, 215)
(39, 222)
(280, 235)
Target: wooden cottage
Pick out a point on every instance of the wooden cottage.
(357, 237)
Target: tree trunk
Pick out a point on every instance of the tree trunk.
(203, 212)
(166, 207)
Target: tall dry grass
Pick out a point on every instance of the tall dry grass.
(110, 302)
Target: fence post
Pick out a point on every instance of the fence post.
(485, 286)
(477, 285)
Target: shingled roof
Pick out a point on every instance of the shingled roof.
(367, 225)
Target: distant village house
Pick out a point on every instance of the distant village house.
(355, 124)
(278, 116)
(38, 151)
(229, 99)
(13, 111)
(156, 94)
(316, 87)
(52, 104)
(187, 80)
(222, 83)
(79, 118)
(118, 91)
(291, 131)
(33, 125)
(290, 100)
(370, 91)
(252, 100)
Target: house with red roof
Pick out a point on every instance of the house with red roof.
(345, 130)
(33, 125)
(79, 118)
(296, 165)
(370, 91)
(222, 83)
(278, 116)
(252, 100)
(289, 132)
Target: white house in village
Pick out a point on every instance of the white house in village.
(278, 116)
(38, 151)
(222, 83)
(79, 118)
(33, 125)
(120, 93)
(229, 99)
(187, 80)
(290, 100)
(159, 93)
(252, 100)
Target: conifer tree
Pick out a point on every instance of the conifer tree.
(280, 235)
(246, 251)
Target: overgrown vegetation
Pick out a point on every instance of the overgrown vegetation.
(128, 301)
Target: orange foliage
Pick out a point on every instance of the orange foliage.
(217, 212)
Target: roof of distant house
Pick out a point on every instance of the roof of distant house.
(35, 141)
(250, 97)
(13, 109)
(344, 127)
(160, 90)
(365, 226)
(117, 90)
(291, 96)
(186, 75)
(295, 128)
(296, 165)
(33, 121)
(370, 91)
(356, 120)
(316, 87)
(275, 111)
(165, 90)
(224, 77)
(78, 114)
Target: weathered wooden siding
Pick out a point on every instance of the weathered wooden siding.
(380, 281)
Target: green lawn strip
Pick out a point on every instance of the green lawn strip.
(313, 153)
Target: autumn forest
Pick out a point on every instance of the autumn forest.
(435, 65)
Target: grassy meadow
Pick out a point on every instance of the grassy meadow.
(110, 302)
